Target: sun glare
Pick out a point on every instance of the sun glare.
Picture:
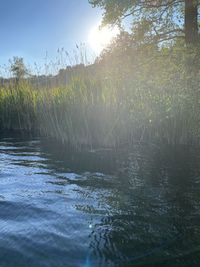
(99, 38)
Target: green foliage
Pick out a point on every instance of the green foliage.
(157, 21)
(152, 97)
(18, 68)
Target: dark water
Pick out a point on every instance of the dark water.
(60, 208)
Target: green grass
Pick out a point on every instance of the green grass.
(153, 104)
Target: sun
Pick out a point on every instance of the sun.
(99, 38)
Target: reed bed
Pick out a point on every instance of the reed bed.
(152, 104)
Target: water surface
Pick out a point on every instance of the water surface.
(61, 208)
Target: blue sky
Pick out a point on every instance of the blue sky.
(29, 28)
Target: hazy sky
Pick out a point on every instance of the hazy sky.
(29, 28)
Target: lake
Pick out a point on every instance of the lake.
(132, 207)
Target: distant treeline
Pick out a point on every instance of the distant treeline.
(62, 78)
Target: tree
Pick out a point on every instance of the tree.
(191, 21)
(18, 68)
(159, 20)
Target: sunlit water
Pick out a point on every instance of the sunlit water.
(60, 208)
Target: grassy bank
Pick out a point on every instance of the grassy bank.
(155, 100)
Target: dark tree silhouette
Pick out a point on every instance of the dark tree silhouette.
(161, 19)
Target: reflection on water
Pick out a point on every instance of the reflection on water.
(62, 208)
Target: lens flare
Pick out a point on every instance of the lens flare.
(99, 38)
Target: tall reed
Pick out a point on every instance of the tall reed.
(108, 107)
